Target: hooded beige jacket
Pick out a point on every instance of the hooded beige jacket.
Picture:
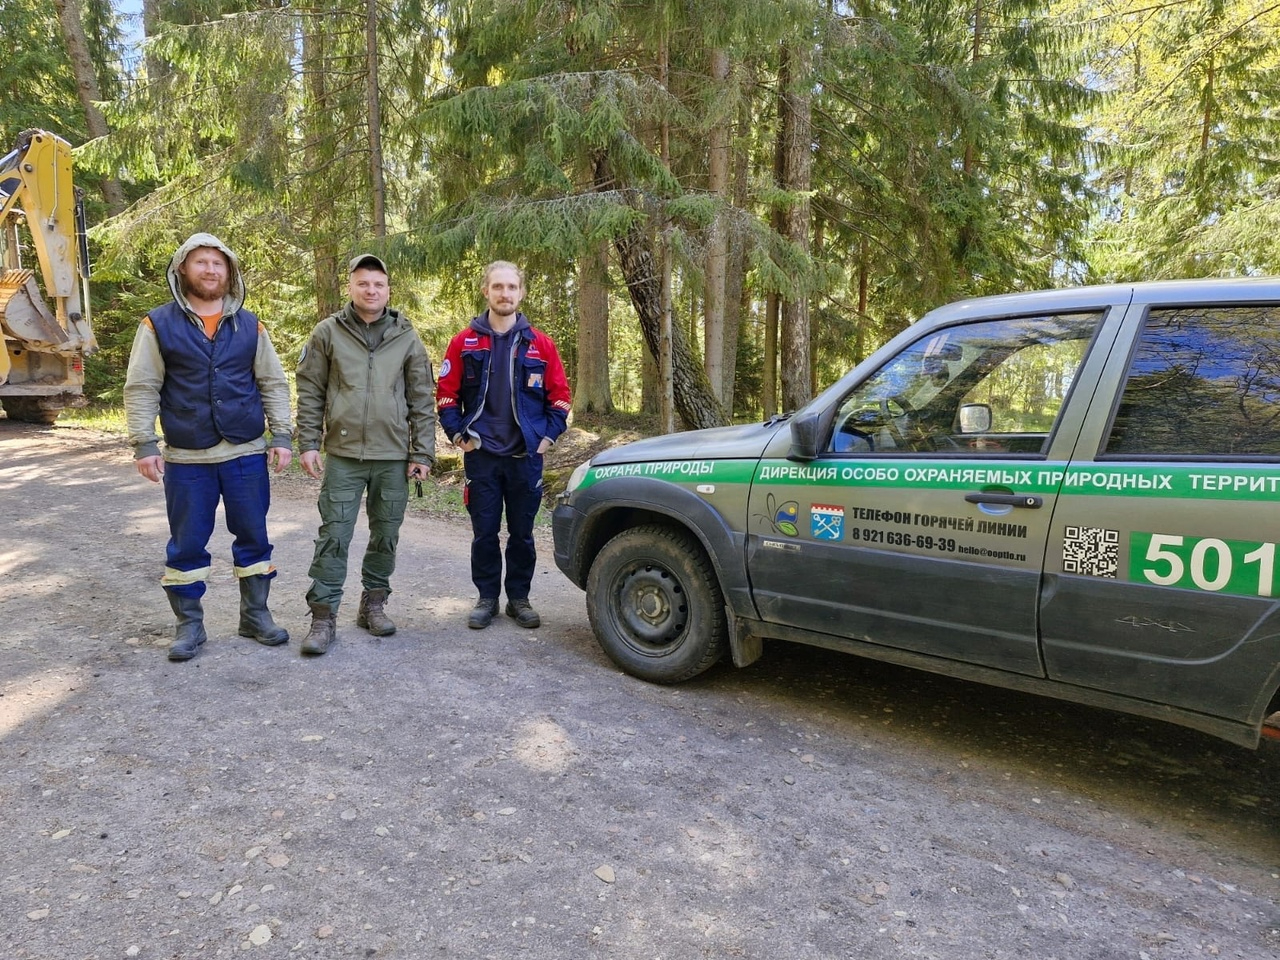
(147, 372)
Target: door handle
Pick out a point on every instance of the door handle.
(1006, 499)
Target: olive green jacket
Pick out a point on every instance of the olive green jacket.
(366, 404)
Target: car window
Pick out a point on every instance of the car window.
(1203, 381)
(994, 387)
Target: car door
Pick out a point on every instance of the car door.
(1161, 577)
(923, 523)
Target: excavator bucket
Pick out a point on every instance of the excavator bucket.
(24, 315)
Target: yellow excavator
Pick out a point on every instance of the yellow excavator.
(42, 364)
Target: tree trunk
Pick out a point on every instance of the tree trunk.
(87, 89)
(967, 234)
(1207, 98)
(769, 373)
(377, 181)
(157, 69)
(797, 162)
(666, 332)
(819, 237)
(864, 270)
(650, 387)
(591, 379)
(327, 282)
(692, 396)
(773, 302)
(979, 21)
(735, 301)
(713, 311)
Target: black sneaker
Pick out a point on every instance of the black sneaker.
(523, 614)
(482, 614)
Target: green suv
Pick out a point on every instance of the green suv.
(1070, 492)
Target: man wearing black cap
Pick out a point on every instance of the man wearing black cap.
(364, 387)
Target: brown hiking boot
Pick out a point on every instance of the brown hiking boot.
(371, 616)
(323, 629)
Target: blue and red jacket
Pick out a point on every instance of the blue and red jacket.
(538, 382)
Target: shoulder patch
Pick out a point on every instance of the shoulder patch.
(303, 356)
(445, 367)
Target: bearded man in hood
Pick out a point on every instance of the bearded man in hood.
(205, 366)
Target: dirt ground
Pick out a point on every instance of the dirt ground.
(508, 793)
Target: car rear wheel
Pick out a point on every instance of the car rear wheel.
(655, 604)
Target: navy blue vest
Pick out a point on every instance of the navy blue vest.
(209, 391)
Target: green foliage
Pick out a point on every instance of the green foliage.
(106, 46)
(37, 88)
(123, 305)
(959, 149)
(1193, 167)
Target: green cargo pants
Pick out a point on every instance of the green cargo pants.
(345, 482)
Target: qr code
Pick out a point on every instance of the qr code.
(1092, 551)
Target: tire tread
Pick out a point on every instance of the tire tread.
(683, 546)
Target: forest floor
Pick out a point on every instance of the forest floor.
(447, 792)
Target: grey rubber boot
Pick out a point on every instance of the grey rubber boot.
(323, 629)
(255, 619)
(190, 631)
(371, 616)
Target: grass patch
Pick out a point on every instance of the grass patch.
(438, 499)
(106, 419)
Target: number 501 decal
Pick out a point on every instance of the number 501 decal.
(1241, 567)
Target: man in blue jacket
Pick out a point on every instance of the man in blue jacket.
(504, 399)
(206, 367)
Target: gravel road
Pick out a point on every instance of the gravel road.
(508, 793)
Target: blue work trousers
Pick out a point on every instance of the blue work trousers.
(495, 484)
(191, 495)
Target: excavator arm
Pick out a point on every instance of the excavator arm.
(44, 345)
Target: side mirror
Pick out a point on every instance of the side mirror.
(975, 418)
(804, 436)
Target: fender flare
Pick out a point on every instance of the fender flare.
(610, 506)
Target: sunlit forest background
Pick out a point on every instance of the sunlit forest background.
(775, 186)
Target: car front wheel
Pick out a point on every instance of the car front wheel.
(655, 604)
